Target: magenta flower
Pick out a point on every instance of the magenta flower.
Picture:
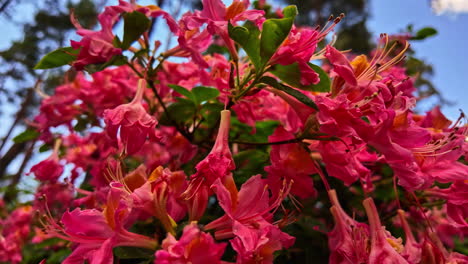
(134, 122)
(383, 247)
(49, 169)
(217, 16)
(257, 246)
(290, 162)
(193, 246)
(349, 239)
(159, 195)
(341, 65)
(412, 250)
(96, 233)
(299, 47)
(217, 165)
(250, 207)
(457, 203)
(360, 72)
(14, 233)
(96, 46)
(192, 43)
(248, 216)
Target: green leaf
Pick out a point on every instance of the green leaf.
(211, 112)
(27, 135)
(274, 33)
(44, 148)
(325, 84)
(116, 60)
(425, 33)
(248, 38)
(291, 91)
(135, 24)
(291, 75)
(183, 91)
(248, 163)
(290, 11)
(202, 93)
(180, 112)
(57, 58)
(133, 253)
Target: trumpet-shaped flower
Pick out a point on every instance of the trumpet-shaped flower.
(217, 165)
(349, 239)
(217, 16)
(257, 246)
(95, 232)
(383, 247)
(290, 162)
(50, 169)
(251, 207)
(134, 122)
(299, 47)
(194, 246)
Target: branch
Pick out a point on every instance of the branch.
(295, 140)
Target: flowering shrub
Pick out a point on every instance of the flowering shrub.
(264, 143)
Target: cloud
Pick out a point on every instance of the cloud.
(449, 6)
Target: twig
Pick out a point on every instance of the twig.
(295, 140)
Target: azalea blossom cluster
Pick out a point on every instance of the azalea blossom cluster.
(262, 132)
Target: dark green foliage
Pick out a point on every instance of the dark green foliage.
(291, 75)
(291, 91)
(135, 24)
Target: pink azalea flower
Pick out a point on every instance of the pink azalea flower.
(257, 246)
(264, 105)
(59, 109)
(298, 112)
(438, 159)
(49, 169)
(383, 247)
(217, 16)
(434, 119)
(250, 207)
(433, 251)
(343, 161)
(349, 239)
(341, 65)
(299, 47)
(359, 71)
(412, 250)
(14, 233)
(134, 122)
(396, 143)
(150, 11)
(192, 43)
(96, 46)
(457, 202)
(108, 88)
(217, 165)
(159, 195)
(95, 233)
(290, 162)
(59, 197)
(193, 246)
